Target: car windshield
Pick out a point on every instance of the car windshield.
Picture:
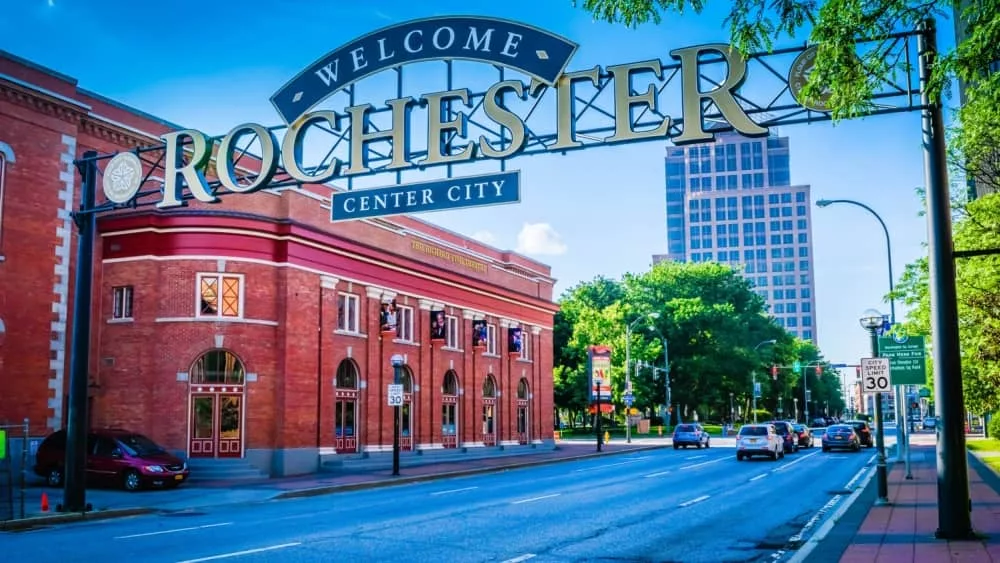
(753, 431)
(685, 428)
(137, 444)
(781, 428)
(799, 427)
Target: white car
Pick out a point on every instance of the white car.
(759, 439)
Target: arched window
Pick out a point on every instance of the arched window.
(489, 387)
(406, 378)
(450, 385)
(347, 375)
(522, 389)
(217, 367)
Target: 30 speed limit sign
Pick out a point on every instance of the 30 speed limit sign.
(875, 375)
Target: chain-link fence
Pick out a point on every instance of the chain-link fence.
(14, 445)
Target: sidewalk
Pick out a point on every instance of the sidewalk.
(903, 531)
(110, 503)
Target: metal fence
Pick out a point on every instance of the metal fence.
(13, 470)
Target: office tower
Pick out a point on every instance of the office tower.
(732, 201)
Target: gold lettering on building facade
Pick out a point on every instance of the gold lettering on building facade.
(447, 130)
(443, 254)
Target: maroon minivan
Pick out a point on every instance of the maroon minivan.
(114, 457)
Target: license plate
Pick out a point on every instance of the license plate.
(178, 477)
(838, 438)
(753, 440)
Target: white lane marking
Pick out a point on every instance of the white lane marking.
(858, 475)
(695, 457)
(241, 553)
(693, 501)
(174, 531)
(520, 558)
(533, 499)
(761, 476)
(800, 460)
(611, 464)
(693, 465)
(657, 474)
(453, 491)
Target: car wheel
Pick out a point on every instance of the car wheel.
(826, 449)
(699, 445)
(708, 443)
(739, 457)
(54, 478)
(131, 480)
(676, 447)
(774, 455)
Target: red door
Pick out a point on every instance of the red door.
(489, 422)
(216, 425)
(522, 422)
(449, 421)
(345, 422)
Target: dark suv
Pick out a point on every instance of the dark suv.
(864, 432)
(114, 456)
(789, 438)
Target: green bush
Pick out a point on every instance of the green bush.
(762, 415)
(994, 426)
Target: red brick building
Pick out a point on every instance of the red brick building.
(252, 328)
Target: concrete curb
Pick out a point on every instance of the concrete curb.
(34, 521)
(402, 480)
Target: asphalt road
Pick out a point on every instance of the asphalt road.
(660, 505)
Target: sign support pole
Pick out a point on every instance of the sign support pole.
(881, 473)
(954, 501)
(597, 415)
(75, 473)
(397, 367)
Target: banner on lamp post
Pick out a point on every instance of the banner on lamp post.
(599, 370)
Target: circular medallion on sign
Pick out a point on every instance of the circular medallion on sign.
(122, 177)
(798, 75)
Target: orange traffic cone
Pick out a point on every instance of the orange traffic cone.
(45, 502)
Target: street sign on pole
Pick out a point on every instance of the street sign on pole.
(756, 389)
(395, 394)
(909, 358)
(875, 375)
(628, 399)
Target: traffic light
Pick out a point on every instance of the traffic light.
(857, 371)
(819, 370)
(774, 373)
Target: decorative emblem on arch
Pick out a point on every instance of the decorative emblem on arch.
(535, 52)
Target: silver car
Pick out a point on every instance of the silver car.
(759, 439)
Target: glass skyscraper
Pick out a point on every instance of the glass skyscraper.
(732, 201)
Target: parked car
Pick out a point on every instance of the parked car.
(789, 438)
(759, 439)
(842, 436)
(864, 431)
(691, 435)
(114, 456)
(805, 435)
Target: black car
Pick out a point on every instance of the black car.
(864, 431)
(805, 435)
(841, 436)
(788, 436)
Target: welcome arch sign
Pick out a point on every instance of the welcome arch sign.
(518, 99)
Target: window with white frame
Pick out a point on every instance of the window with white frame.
(3, 172)
(526, 345)
(348, 313)
(404, 323)
(220, 295)
(452, 336)
(122, 302)
(491, 339)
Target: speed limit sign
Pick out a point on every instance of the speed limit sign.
(875, 375)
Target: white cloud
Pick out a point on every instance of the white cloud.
(539, 239)
(485, 237)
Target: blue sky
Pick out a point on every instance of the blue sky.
(213, 65)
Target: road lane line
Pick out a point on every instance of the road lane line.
(694, 457)
(453, 491)
(533, 499)
(693, 501)
(174, 531)
(611, 464)
(800, 460)
(657, 474)
(693, 465)
(241, 553)
(520, 558)
(761, 476)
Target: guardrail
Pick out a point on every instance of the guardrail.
(13, 479)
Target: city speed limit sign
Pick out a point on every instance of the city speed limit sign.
(875, 375)
(395, 395)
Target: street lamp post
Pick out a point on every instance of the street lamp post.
(397, 361)
(753, 375)
(597, 414)
(628, 363)
(732, 410)
(870, 321)
(902, 437)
